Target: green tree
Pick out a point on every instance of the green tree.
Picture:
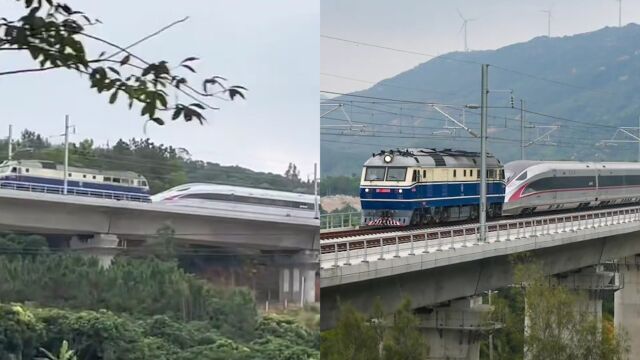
(53, 35)
(558, 327)
(353, 338)
(404, 341)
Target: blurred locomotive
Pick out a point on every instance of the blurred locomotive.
(428, 186)
(48, 177)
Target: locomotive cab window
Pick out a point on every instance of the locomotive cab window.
(522, 176)
(374, 174)
(396, 174)
(454, 173)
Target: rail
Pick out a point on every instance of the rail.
(372, 247)
(337, 221)
(73, 191)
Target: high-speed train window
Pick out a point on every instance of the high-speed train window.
(560, 183)
(396, 174)
(374, 173)
(522, 176)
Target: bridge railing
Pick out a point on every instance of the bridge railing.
(334, 221)
(367, 248)
(59, 190)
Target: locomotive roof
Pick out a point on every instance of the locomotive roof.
(45, 164)
(431, 158)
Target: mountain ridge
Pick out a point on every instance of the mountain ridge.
(591, 80)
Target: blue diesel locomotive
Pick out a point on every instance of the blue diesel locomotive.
(427, 186)
(48, 177)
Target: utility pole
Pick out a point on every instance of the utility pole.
(10, 141)
(315, 190)
(522, 129)
(483, 152)
(66, 152)
(490, 334)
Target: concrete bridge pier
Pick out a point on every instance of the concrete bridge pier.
(297, 283)
(453, 331)
(594, 280)
(104, 247)
(626, 306)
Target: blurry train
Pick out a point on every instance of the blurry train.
(427, 186)
(48, 177)
(215, 196)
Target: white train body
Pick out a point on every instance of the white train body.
(227, 197)
(540, 186)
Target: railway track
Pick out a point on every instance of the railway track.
(556, 222)
(406, 231)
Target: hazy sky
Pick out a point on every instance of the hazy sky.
(433, 26)
(271, 47)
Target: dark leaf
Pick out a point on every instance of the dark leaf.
(125, 60)
(34, 51)
(114, 70)
(66, 8)
(199, 106)
(176, 113)
(180, 81)
(102, 54)
(188, 67)
(191, 58)
(113, 97)
(157, 120)
(233, 93)
(147, 70)
(239, 87)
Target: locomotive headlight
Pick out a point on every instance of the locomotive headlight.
(366, 190)
(388, 158)
(400, 190)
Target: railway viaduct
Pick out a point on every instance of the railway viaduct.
(103, 227)
(444, 271)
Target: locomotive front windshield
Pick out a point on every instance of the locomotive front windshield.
(396, 174)
(374, 174)
(392, 174)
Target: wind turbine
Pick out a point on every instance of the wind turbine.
(548, 12)
(465, 21)
(619, 13)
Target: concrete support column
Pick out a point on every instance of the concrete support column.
(104, 247)
(297, 279)
(454, 331)
(626, 304)
(594, 280)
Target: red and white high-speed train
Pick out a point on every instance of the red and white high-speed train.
(540, 186)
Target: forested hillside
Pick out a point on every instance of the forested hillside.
(164, 166)
(587, 84)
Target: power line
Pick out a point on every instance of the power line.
(449, 57)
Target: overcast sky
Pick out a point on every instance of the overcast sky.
(433, 26)
(270, 47)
